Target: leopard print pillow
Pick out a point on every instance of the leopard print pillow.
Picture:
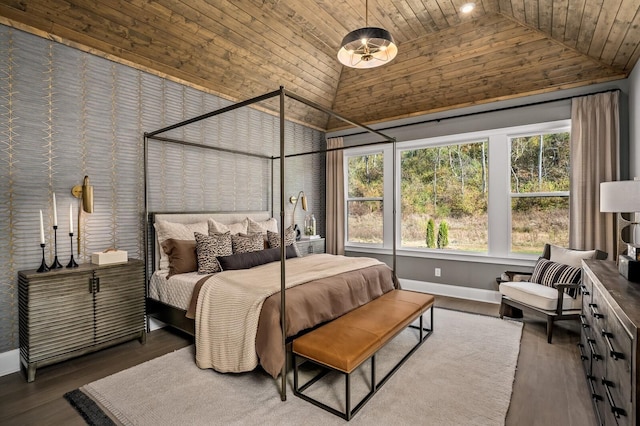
(208, 247)
(289, 239)
(243, 243)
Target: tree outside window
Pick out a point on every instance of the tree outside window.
(539, 191)
(445, 186)
(365, 198)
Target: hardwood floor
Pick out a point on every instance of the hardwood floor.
(549, 387)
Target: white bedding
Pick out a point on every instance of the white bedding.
(175, 291)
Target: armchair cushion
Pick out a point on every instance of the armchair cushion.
(549, 273)
(569, 256)
(538, 295)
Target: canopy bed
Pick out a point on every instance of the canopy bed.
(258, 329)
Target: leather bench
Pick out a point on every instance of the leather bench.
(345, 343)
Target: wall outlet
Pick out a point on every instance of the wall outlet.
(438, 272)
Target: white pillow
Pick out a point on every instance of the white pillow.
(216, 227)
(178, 231)
(570, 257)
(263, 226)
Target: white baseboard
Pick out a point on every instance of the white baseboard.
(154, 324)
(460, 292)
(9, 362)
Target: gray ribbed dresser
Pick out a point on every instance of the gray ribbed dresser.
(65, 313)
(609, 342)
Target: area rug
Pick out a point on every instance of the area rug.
(462, 374)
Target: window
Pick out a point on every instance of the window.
(539, 191)
(444, 192)
(498, 192)
(365, 192)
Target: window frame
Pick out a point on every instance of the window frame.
(541, 194)
(499, 193)
(457, 140)
(387, 188)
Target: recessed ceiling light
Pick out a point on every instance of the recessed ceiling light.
(467, 7)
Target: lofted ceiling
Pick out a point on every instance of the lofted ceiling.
(243, 48)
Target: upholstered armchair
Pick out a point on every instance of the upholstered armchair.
(551, 290)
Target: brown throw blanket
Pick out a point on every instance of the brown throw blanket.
(230, 304)
(314, 303)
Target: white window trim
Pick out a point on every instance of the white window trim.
(387, 187)
(499, 202)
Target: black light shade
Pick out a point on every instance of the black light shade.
(367, 47)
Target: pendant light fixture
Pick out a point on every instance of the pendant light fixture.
(367, 47)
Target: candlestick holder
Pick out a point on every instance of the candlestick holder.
(43, 265)
(72, 263)
(56, 264)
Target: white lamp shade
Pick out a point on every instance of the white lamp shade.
(620, 196)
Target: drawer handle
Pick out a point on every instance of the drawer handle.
(583, 321)
(583, 357)
(583, 289)
(614, 354)
(594, 355)
(594, 312)
(617, 411)
(594, 395)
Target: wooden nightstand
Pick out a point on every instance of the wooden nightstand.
(311, 246)
(65, 313)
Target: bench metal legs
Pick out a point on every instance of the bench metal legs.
(374, 386)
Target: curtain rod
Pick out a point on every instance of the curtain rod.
(470, 114)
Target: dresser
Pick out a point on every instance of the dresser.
(311, 246)
(65, 313)
(609, 341)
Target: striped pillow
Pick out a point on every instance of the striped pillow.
(548, 273)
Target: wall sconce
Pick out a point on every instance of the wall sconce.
(294, 200)
(83, 192)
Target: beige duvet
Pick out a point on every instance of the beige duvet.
(229, 307)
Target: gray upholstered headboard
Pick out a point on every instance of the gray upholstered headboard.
(222, 217)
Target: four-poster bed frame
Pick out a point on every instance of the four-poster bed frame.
(171, 315)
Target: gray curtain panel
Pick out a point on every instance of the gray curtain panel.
(335, 197)
(595, 138)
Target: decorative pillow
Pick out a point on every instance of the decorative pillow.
(289, 239)
(243, 243)
(570, 257)
(182, 256)
(178, 231)
(208, 247)
(216, 227)
(274, 237)
(262, 227)
(548, 273)
(253, 258)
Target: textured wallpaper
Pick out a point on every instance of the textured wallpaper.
(65, 114)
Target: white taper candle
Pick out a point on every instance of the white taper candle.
(70, 219)
(41, 229)
(55, 211)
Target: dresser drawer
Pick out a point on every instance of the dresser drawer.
(616, 408)
(609, 338)
(586, 288)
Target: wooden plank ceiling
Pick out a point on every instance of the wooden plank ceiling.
(243, 48)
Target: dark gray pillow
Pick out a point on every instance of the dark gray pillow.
(253, 258)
